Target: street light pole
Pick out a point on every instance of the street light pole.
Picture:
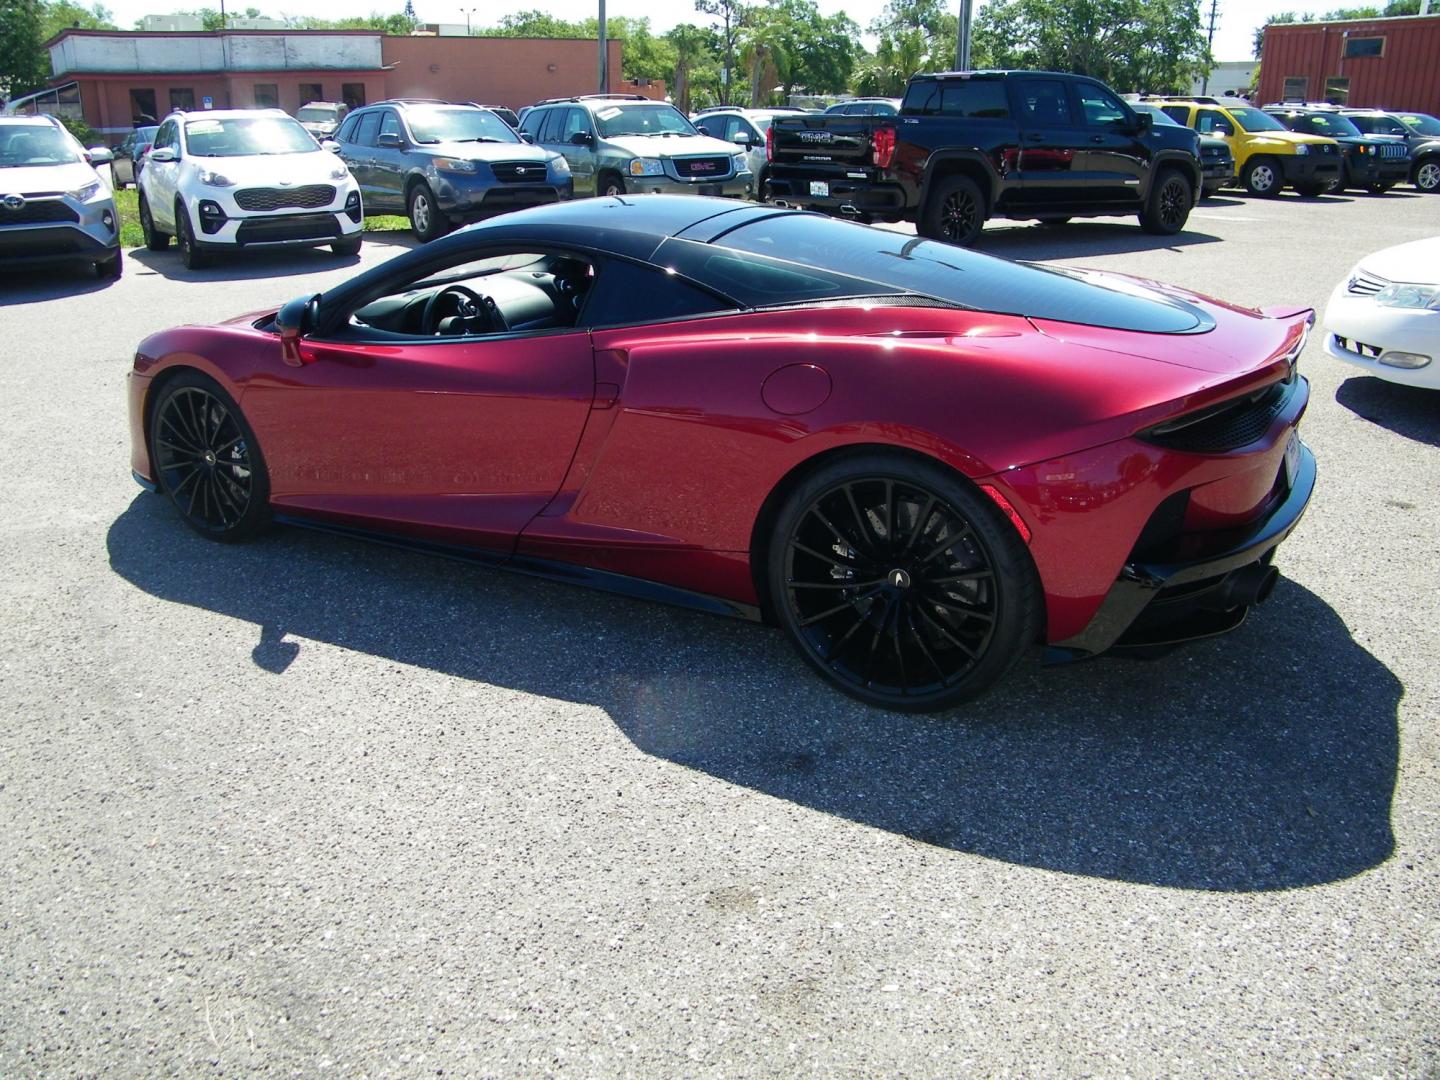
(962, 38)
(604, 54)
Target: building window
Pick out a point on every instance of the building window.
(311, 91)
(353, 94)
(267, 96)
(1337, 90)
(1297, 88)
(182, 97)
(143, 107)
(1364, 46)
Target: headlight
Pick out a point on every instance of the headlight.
(646, 166)
(215, 179)
(455, 165)
(742, 164)
(560, 165)
(1302, 148)
(339, 172)
(1409, 296)
(86, 193)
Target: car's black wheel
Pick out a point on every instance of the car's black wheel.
(1168, 207)
(155, 240)
(190, 253)
(901, 583)
(1263, 177)
(1314, 191)
(347, 247)
(1379, 188)
(1427, 175)
(111, 269)
(955, 212)
(206, 459)
(427, 220)
(610, 183)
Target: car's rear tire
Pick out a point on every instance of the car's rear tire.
(1427, 175)
(900, 583)
(206, 459)
(610, 183)
(427, 220)
(155, 240)
(1262, 176)
(347, 247)
(190, 253)
(111, 269)
(954, 213)
(1168, 206)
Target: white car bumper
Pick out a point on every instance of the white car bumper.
(1361, 333)
(275, 216)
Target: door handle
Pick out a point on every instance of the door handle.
(1097, 138)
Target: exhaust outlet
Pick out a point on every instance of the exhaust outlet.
(1249, 585)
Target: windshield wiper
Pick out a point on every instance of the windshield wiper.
(477, 138)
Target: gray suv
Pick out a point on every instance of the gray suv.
(1421, 133)
(441, 164)
(618, 143)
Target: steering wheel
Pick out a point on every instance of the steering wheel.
(470, 307)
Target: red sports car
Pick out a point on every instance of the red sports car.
(917, 460)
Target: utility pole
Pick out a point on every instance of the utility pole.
(604, 54)
(1209, 44)
(962, 37)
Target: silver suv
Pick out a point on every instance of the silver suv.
(618, 143)
(54, 207)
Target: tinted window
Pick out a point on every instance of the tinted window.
(1179, 113)
(756, 279)
(1421, 123)
(1332, 125)
(1100, 107)
(347, 130)
(1043, 102)
(367, 129)
(625, 293)
(551, 124)
(431, 126)
(895, 262)
(1378, 125)
(531, 120)
(390, 123)
(973, 99)
(1162, 119)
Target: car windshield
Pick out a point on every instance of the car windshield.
(35, 144)
(613, 120)
(1331, 125)
(431, 126)
(1255, 120)
(317, 112)
(1378, 125)
(1421, 123)
(1161, 119)
(246, 136)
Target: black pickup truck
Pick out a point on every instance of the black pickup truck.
(973, 145)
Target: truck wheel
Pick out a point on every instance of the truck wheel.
(954, 213)
(1427, 175)
(1262, 177)
(1168, 207)
(610, 184)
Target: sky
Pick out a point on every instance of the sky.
(1233, 36)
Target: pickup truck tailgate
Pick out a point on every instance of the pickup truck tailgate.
(822, 140)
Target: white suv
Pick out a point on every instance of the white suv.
(54, 207)
(242, 178)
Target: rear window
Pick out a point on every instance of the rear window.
(972, 99)
(893, 261)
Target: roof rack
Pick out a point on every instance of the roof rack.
(410, 101)
(595, 97)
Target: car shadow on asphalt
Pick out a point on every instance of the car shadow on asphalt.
(35, 286)
(1411, 411)
(240, 265)
(1264, 760)
(1080, 238)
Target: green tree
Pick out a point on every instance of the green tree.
(24, 64)
(66, 15)
(697, 66)
(732, 16)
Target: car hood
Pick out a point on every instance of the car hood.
(1415, 263)
(489, 151)
(669, 146)
(1295, 138)
(271, 170)
(29, 179)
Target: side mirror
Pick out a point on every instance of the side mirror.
(527, 136)
(1222, 129)
(162, 154)
(582, 138)
(388, 140)
(1143, 122)
(331, 145)
(294, 321)
(99, 155)
(741, 138)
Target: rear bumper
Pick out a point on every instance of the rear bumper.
(863, 195)
(1161, 602)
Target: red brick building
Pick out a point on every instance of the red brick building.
(1381, 63)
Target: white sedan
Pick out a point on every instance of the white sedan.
(1385, 316)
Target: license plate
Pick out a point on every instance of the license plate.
(1292, 458)
(821, 188)
(710, 189)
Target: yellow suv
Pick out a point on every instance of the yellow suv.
(1268, 156)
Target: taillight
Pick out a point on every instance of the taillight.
(883, 142)
(769, 144)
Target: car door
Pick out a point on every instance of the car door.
(576, 142)
(357, 150)
(1112, 159)
(1048, 138)
(161, 179)
(1217, 125)
(465, 437)
(388, 161)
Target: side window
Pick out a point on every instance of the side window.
(1211, 122)
(1043, 102)
(972, 99)
(1100, 107)
(390, 123)
(168, 135)
(531, 121)
(367, 128)
(347, 130)
(551, 125)
(576, 121)
(626, 293)
(1179, 113)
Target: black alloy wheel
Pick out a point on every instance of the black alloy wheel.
(206, 459)
(955, 213)
(155, 240)
(901, 584)
(1168, 207)
(190, 253)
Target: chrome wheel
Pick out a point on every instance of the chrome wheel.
(1427, 177)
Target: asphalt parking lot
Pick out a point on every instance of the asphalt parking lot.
(307, 804)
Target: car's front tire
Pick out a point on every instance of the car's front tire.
(427, 220)
(1168, 207)
(111, 269)
(1427, 175)
(1263, 177)
(347, 247)
(190, 252)
(610, 183)
(954, 213)
(206, 459)
(900, 583)
(155, 240)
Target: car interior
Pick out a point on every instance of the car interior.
(502, 294)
